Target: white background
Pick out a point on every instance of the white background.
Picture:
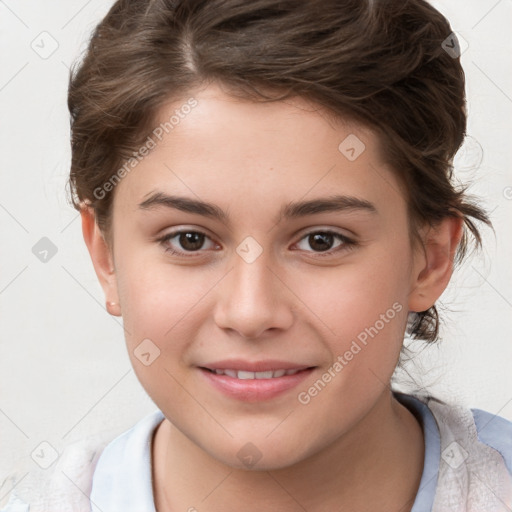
(64, 371)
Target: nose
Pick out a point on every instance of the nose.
(253, 299)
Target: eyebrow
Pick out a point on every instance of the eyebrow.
(293, 210)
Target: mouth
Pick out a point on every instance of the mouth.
(255, 382)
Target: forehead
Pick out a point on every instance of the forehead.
(223, 148)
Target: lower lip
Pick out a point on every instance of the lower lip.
(255, 390)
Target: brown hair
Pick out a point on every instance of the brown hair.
(381, 63)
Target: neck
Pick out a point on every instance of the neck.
(377, 465)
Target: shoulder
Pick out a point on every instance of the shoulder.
(496, 432)
(475, 458)
(63, 487)
(474, 427)
(97, 468)
(491, 429)
(468, 454)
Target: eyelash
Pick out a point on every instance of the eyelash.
(347, 243)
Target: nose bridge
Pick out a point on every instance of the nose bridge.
(253, 281)
(252, 298)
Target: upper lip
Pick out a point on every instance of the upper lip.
(254, 366)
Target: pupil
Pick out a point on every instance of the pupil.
(191, 241)
(321, 237)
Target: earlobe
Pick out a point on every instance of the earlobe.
(434, 269)
(102, 259)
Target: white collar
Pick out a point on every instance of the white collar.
(122, 479)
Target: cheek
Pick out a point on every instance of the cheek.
(160, 315)
(353, 297)
(365, 308)
(164, 303)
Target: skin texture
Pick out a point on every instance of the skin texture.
(352, 446)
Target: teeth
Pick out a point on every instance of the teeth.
(243, 375)
(264, 375)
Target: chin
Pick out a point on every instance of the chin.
(260, 454)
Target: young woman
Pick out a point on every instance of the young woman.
(266, 195)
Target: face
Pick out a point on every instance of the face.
(257, 240)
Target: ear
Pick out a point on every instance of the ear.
(102, 259)
(433, 266)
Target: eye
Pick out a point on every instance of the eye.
(322, 241)
(189, 240)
